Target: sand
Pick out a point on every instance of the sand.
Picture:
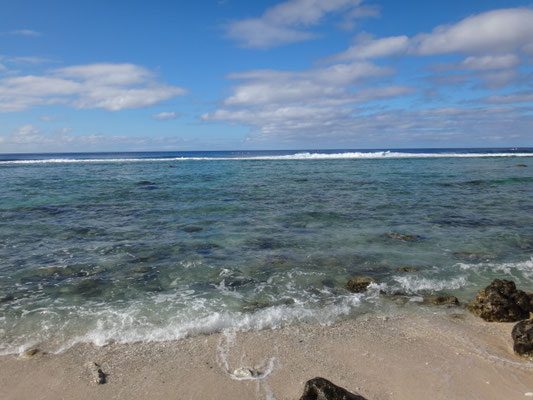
(431, 355)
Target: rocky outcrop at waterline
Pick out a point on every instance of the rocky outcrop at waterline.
(322, 389)
(501, 301)
(359, 284)
(523, 338)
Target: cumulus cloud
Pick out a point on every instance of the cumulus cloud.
(497, 31)
(165, 115)
(366, 47)
(287, 22)
(321, 85)
(348, 97)
(109, 86)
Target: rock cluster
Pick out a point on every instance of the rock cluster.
(322, 389)
(501, 301)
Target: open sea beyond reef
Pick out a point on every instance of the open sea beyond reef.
(126, 247)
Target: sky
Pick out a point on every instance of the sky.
(234, 75)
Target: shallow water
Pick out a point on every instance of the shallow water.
(120, 247)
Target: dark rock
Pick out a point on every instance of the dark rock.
(442, 300)
(99, 376)
(191, 229)
(521, 165)
(523, 338)
(502, 302)
(406, 268)
(32, 353)
(7, 298)
(403, 237)
(358, 284)
(322, 389)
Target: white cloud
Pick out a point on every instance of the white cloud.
(109, 86)
(25, 32)
(26, 130)
(315, 85)
(165, 115)
(286, 22)
(366, 47)
(396, 128)
(518, 97)
(497, 31)
(491, 62)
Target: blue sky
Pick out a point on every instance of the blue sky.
(228, 74)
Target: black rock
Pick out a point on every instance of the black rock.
(322, 389)
(523, 338)
(501, 301)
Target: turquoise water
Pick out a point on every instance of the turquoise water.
(103, 248)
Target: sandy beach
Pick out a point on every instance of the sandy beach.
(407, 356)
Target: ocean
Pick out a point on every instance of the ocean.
(128, 247)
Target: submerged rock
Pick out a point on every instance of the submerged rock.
(191, 229)
(406, 268)
(404, 237)
(521, 165)
(359, 284)
(523, 338)
(501, 301)
(322, 389)
(442, 300)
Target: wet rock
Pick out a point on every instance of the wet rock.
(521, 165)
(7, 298)
(32, 353)
(245, 372)
(89, 287)
(142, 270)
(253, 306)
(359, 284)
(501, 301)
(322, 389)
(442, 300)
(98, 375)
(404, 237)
(406, 268)
(523, 338)
(191, 229)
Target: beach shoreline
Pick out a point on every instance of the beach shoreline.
(437, 355)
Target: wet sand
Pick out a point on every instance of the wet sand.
(407, 356)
